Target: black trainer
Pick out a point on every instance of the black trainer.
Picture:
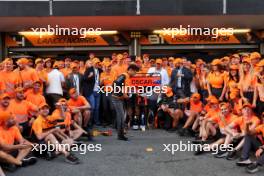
(122, 138)
(252, 168)
(232, 155)
(72, 159)
(221, 154)
(27, 161)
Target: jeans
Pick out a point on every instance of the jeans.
(251, 142)
(120, 114)
(94, 100)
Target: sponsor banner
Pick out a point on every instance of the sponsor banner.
(152, 39)
(145, 80)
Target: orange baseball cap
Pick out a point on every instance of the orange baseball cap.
(38, 60)
(171, 59)
(19, 89)
(42, 105)
(56, 64)
(196, 95)
(261, 63)
(47, 60)
(255, 55)
(246, 60)
(23, 60)
(72, 91)
(169, 92)
(96, 60)
(8, 60)
(4, 95)
(247, 105)
(4, 116)
(216, 62)
(158, 61)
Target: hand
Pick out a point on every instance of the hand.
(259, 152)
(254, 105)
(90, 75)
(221, 98)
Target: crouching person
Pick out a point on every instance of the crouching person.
(46, 133)
(14, 149)
(169, 114)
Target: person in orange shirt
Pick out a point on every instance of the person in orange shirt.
(258, 100)
(42, 74)
(67, 67)
(120, 67)
(107, 79)
(240, 123)
(80, 108)
(215, 126)
(26, 75)
(216, 80)
(255, 58)
(8, 77)
(4, 104)
(62, 116)
(13, 143)
(146, 64)
(196, 107)
(35, 96)
(23, 111)
(232, 80)
(46, 133)
(247, 81)
(254, 140)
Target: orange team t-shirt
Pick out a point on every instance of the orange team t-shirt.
(10, 136)
(119, 69)
(223, 122)
(207, 107)
(66, 71)
(216, 80)
(27, 76)
(247, 82)
(212, 112)
(40, 124)
(56, 115)
(196, 107)
(43, 76)
(232, 85)
(9, 79)
(22, 109)
(241, 123)
(145, 68)
(35, 98)
(260, 89)
(107, 79)
(3, 110)
(80, 101)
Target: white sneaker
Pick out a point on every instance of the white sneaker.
(135, 127)
(143, 127)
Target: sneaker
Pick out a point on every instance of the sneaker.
(252, 168)
(221, 154)
(181, 132)
(232, 155)
(199, 151)
(243, 162)
(135, 127)
(143, 127)
(27, 161)
(122, 138)
(9, 167)
(72, 159)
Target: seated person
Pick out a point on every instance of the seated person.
(168, 110)
(238, 135)
(79, 107)
(254, 141)
(61, 116)
(196, 107)
(12, 143)
(45, 133)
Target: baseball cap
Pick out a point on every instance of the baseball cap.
(158, 61)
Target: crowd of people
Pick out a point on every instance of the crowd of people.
(49, 101)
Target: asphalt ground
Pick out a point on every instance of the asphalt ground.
(142, 155)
